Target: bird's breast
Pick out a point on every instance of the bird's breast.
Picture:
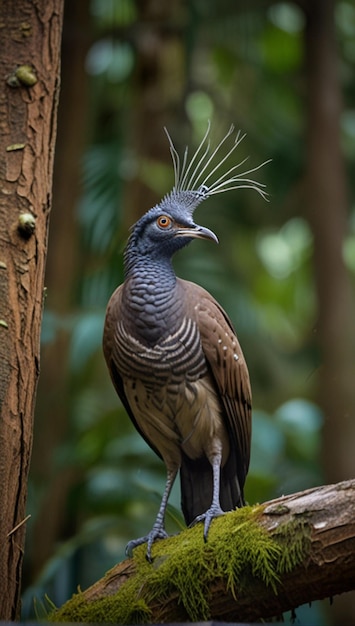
(175, 358)
(170, 393)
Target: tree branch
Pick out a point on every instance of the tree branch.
(321, 520)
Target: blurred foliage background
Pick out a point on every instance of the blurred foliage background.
(283, 73)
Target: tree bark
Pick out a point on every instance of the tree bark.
(61, 281)
(29, 62)
(326, 514)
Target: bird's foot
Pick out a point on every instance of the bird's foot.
(157, 532)
(207, 517)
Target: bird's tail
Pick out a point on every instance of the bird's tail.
(197, 488)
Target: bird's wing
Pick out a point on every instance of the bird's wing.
(113, 316)
(228, 369)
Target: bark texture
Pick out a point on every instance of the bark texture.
(326, 514)
(53, 397)
(29, 72)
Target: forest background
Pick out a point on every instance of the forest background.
(284, 270)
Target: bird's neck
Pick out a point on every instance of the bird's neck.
(143, 271)
(150, 299)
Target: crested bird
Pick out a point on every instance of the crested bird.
(173, 354)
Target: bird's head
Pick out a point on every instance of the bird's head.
(165, 229)
(169, 225)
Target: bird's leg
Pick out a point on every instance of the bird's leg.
(158, 531)
(215, 509)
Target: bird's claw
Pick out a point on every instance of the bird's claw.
(207, 517)
(149, 539)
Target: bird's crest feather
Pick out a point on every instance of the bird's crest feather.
(199, 177)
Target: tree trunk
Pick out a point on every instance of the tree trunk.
(328, 205)
(327, 211)
(29, 61)
(317, 525)
(53, 403)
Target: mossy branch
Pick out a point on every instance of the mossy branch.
(258, 562)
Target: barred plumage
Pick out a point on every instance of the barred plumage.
(175, 358)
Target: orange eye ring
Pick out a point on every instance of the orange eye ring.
(164, 221)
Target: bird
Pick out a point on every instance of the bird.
(172, 352)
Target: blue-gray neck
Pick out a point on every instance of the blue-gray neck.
(151, 274)
(151, 307)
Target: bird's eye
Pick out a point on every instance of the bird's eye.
(164, 221)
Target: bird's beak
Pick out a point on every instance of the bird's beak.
(197, 232)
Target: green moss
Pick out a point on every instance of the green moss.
(238, 550)
(123, 608)
(295, 539)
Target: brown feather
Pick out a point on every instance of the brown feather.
(228, 370)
